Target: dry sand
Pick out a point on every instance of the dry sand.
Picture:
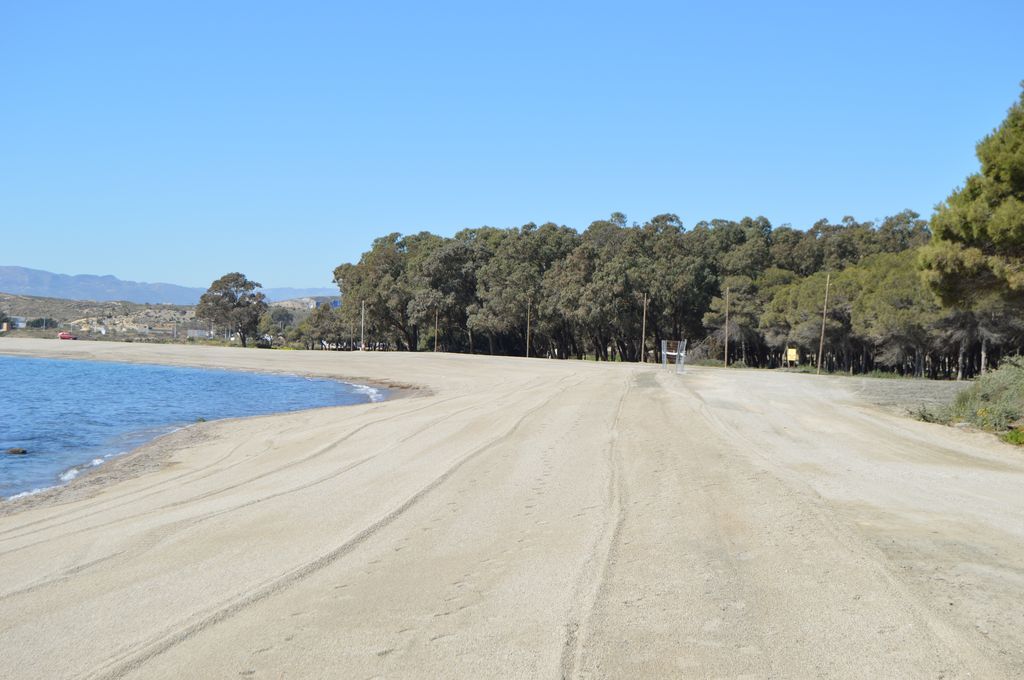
(525, 518)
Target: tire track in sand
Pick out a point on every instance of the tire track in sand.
(595, 569)
(159, 534)
(139, 654)
(132, 499)
(135, 496)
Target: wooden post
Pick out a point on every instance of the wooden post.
(824, 312)
(643, 334)
(529, 303)
(435, 329)
(727, 327)
(362, 326)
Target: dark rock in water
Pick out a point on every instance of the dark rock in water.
(17, 452)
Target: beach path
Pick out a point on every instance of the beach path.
(525, 518)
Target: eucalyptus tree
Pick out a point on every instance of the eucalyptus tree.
(327, 328)
(233, 302)
(583, 308)
(789, 250)
(510, 286)
(383, 287)
(445, 289)
(745, 248)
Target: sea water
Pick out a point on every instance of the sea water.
(73, 415)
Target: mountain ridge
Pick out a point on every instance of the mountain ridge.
(108, 288)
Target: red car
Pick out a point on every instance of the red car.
(64, 335)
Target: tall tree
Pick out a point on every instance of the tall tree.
(276, 321)
(509, 286)
(978, 245)
(386, 282)
(894, 311)
(234, 303)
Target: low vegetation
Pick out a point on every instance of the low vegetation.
(994, 403)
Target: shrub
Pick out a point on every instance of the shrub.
(995, 401)
(927, 415)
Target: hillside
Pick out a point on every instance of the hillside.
(122, 319)
(39, 283)
(115, 318)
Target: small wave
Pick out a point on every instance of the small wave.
(69, 474)
(372, 393)
(97, 461)
(25, 494)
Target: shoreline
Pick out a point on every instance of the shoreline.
(153, 454)
(149, 457)
(22, 349)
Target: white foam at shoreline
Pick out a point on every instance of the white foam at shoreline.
(24, 494)
(73, 472)
(372, 393)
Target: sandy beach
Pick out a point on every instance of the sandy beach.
(524, 518)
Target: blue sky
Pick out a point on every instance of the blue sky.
(176, 141)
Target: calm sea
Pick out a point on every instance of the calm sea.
(72, 415)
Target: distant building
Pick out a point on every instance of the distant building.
(18, 322)
(198, 333)
(324, 301)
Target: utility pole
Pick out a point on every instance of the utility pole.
(435, 329)
(643, 334)
(529, 303)
(362, 325)
(824, 312)
(727, 327)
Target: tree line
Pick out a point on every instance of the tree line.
(587, 294)
(939, 299)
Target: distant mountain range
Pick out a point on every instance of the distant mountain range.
(23, 281)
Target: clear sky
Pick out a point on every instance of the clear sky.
(176, 141)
